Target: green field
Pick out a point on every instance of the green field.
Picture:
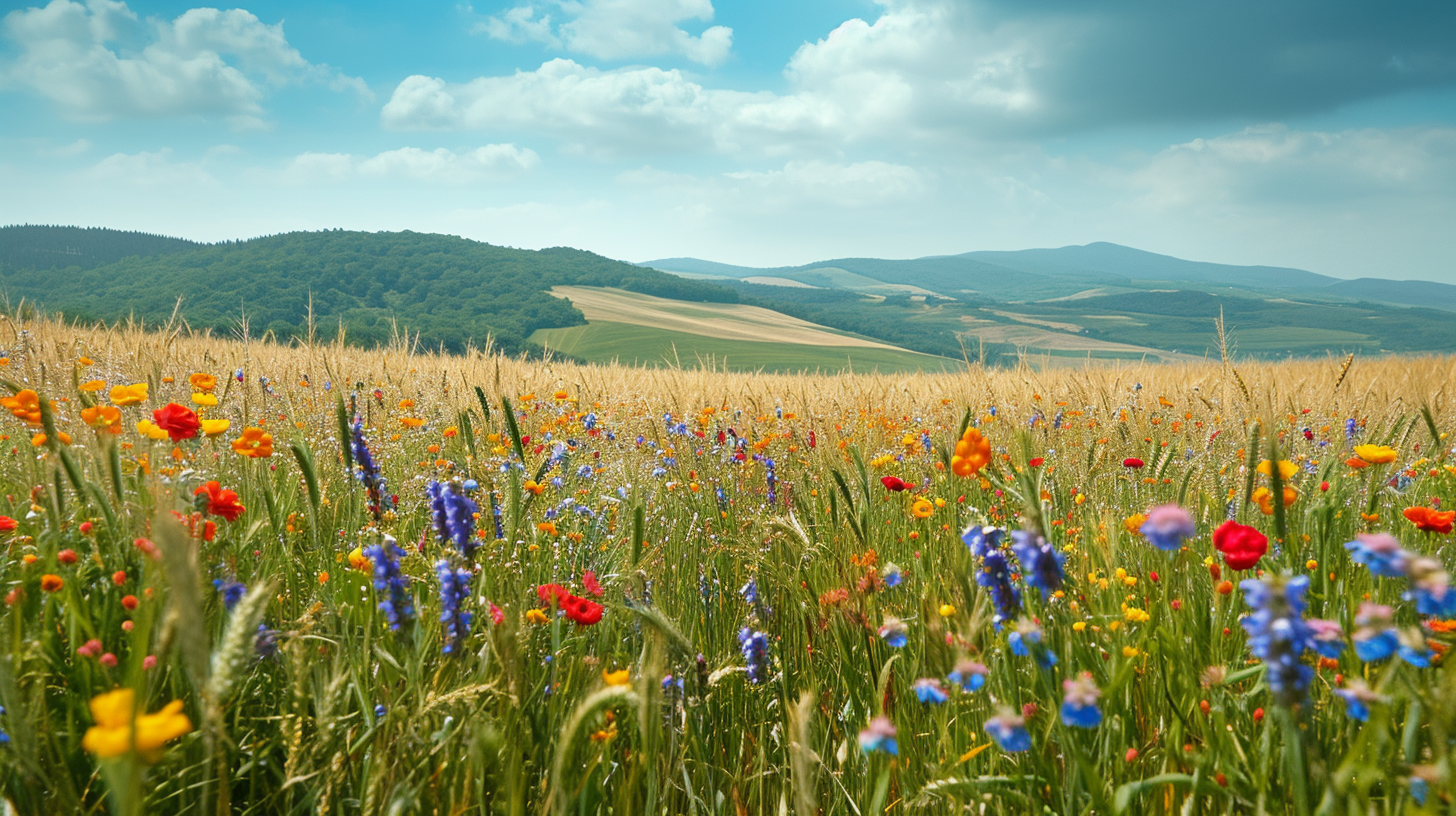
(605, 342)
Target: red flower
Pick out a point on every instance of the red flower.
(1242, 546)
(581, 611)
(220, 502)
(1132, 462)
(178, 421)
(1037, 462)
(589, 580)
(552, 594)
(8, 524)
(895, 484)
(1431, 521)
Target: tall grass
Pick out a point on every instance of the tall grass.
(326, 709)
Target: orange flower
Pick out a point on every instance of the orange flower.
(51, 583)
(25, 405)
(547, 527)
(411, 422)
(1376, 454)
(1265, 499)
(102, 418)
(972, 453)
(255, 443)
(1431, 521)
(922, 509)
(92, 386)
(203, 382)
(40, 438)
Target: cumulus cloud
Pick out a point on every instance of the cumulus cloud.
(99, 61)
(617, 29)
(945, 73)
(436, 166)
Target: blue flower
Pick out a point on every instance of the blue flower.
(365, 468)
(969, 675)
(232, 592)
(1327, 637)
(265, 642)
(894, 632)
(1167, 526)
(396, 603)
(754, 646)
(453, 514)
(1009, 731)
(1381, 552)
(982, 541)
(1413, 650)
(929, 691)
(1025, 641)
(995, 577)
(380, 711)
(1079, 703)
(1041, 563)
(1375, 636)
(454, 596)
(891, 575)
(1357, 697)
(1279, 635)
(1430, 586)
(1419, 790)
(879, 736)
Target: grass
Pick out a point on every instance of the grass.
(638, 477)
(606, 342)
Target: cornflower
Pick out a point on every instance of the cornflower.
(396, 605)
(1358, 697)
(1026, 641)
(1079, 704)
(1167, 526)
(453, 514)
(1381, 552)
(894, 632)
(1008, 729)
(1279, 635)
(879, 736)
(754, 646)
(929, 691)
(1041, 563)
(969, 675)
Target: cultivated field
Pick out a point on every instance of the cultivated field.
(244, 578)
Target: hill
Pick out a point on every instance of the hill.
(450, 291)
(29, 246)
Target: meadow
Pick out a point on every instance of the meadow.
(242, 577)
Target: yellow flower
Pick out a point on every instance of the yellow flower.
(922, 509)
(119, 728)
(1129, 651)
(93, 386)
(1376, 454)
(536, 616)
(203, 398)
(358, 561)
(1287, 469)
(1265, 499)
(213, 427)
(1135, 615)
(150, 430)
(1079, 626)
(255, 443)
(946, 610)
(616, 678)
(1134, 524)
(125, 395)
(203, 382)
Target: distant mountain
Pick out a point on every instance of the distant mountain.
(1102, 260)
(29, 246)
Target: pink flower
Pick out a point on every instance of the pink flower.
(589, 580)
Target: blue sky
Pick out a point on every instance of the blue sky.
(1320, 135)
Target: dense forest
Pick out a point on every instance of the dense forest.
(31, 246)
(450, 291)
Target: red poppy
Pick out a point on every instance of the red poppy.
(589, 580)
(178, 421)
(1037, 462)
(553, 594)
(220, 502)
(1242, 546)
(1431, 521)
(1132, 462)
(8, 524)
(581, 611)
(895, 484)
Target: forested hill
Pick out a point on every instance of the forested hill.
(449, 290)
(31, 246)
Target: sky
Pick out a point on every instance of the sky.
(1318, 134)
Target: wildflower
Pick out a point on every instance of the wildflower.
(365, 468)
(928, 690)
(454, 596)
(1026, 641)
(396, 604)
(972, 452)
(589, 582)
(1430, 521)
(891, 575)
(534, 615)
(1381, 552)
(265, 641)
(754, 646)
(894, 632)
(982, 540)
(879, 736)
(231, 591)
(1009, 731)
(1376, 454)
(1375, 636)
(1430, 586)
(149, 429)
(51, 583)
(1041, 563)
(8, 524)
(125, 395)
(1133, 463)
(214, 427)
(581, 611)
(204, 400)
(178, 421)
(922, 509)
(1079, 704)
(103, 418)
(218, 501)
(621, 677)
(1167, 526)
(1242, 546)
(1265, 499)
(1278, 634)
(119, 728)
(453, 514)
(255, 443)
(969, 675)
(1326, 637)
(1287, 469)
(203, 383)
(995, 577)
(946, 610)
(895, 484)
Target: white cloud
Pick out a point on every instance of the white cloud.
(618, 29)
(439, 166)
(155, 169)
(99, 61)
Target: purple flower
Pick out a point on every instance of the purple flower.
(1167, 526)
